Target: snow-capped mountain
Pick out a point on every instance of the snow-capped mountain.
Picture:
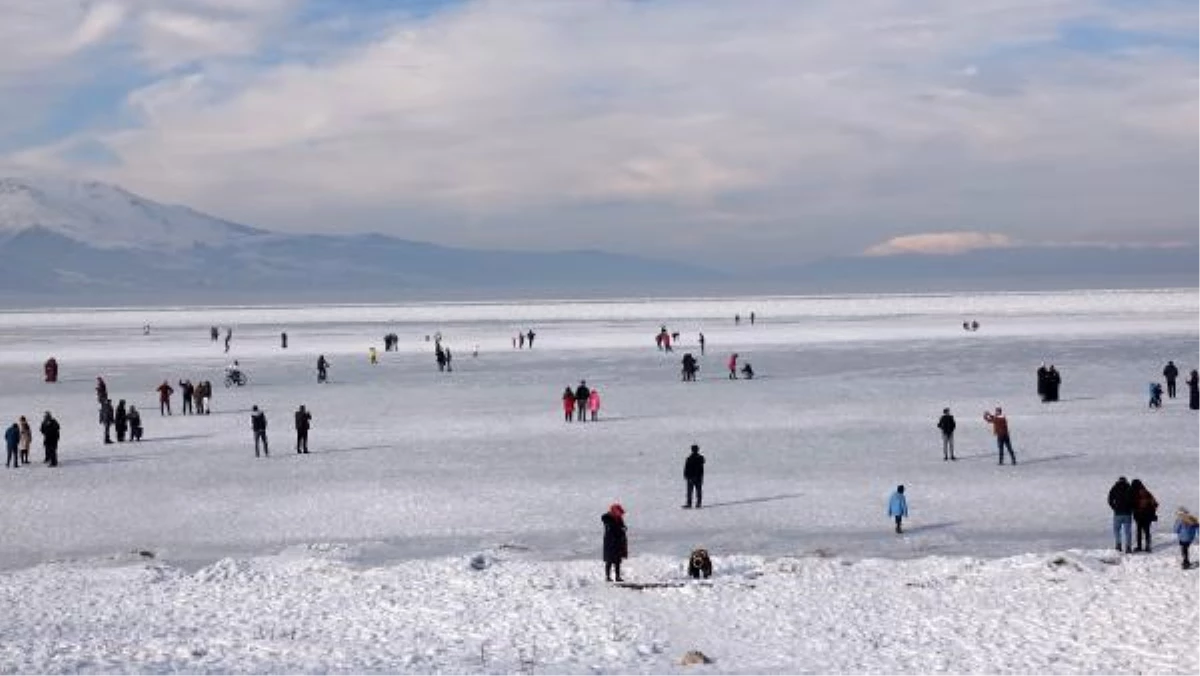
(84, 242)
(107, 217)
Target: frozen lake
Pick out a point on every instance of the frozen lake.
(410, 463)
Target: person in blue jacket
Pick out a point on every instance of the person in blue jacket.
(1186, 527)
(12, 438)
(898, 507)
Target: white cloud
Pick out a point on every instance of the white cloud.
(770, 129)
(940, 243)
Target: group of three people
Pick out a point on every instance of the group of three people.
(581, 401)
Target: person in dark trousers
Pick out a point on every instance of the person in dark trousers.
(186, 390)
(568, 404)
(449, 361)
(1053, 383)
(322, 369)
(1120, 500)
(121, 420)
(529, 338)
(1193, 383)
(12, 441)
(946, 424)
(616, 541)
(283, 340)
(101, 390)
(1186, 528)
(258, 423)
(106, 419)
(1170, 372)
(303, 422)
(214, 333)
(1156, 395)
(733, 366)
(1041, 381)
(50, 432)
(26, 439)
(1000, 428)
(582, 393)
(701, 344)
(135, 424)
(751, 319)
(898, 507)
(1145, 512)
(689, 367)
(51, 370)
(228, 337)
(164, 398)
(440, 355)
(693, 474)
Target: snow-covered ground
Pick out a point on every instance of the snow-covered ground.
(355, 558)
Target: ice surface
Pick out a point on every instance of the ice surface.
(408, 465)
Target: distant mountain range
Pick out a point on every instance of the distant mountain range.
(65, 242)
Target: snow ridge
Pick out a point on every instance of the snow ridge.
(108, 217)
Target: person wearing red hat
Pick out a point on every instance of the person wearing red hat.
(616, 544)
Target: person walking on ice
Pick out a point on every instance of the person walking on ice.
(568, 404)
(164, 398)
(1170, 372)
(593, 403)
(693, 474)
(733, 366)
(322, 369)
(1000, 428)
(303, 423)
(1186, 528)
(582, 394)
(898, 507)
(946, 424)
(1120, 501)
(258, 423)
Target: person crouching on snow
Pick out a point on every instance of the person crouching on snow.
(1186, 527)
(898, 507)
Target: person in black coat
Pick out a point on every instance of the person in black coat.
(689, 367)
(50, 432)
(135, 424)
(1120, 500)
(1170, 372)
(1193, 384)
(947, 425)
(616, 542)
(581, 399)
(121, 420)
(303, 423)
(693, 474)
(1053, 382)
(322, 369)
(106, 418)
(258, 423)
(1041, 381)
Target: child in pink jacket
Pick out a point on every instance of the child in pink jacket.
(594, 403)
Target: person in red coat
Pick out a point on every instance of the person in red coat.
(733, 366)
(164, 398)
(568, 404)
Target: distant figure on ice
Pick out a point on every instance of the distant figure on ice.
(373, 355)
(702, 344)
(1193, 383)
(203, 397)
(748, 371)
(146, 330)
(283, 340)
(121, 420)
(228, 337)
(520, 341)
(12, 441)
(737, 319)
(322, 369)
(1053, 382)
(593, 403)
(530, 336)
(974, 325)
(135, 424)
(101, 390)
(898, 507)
(1000, 428)
(440, 355)
(689, 367)
(751, 319)
(107, 418)
(214, 333)
(1120, 500)
(568, 404)
(582, 394)
(1170, 372)
(303, 423)
(51, 370)
(616, 541)
(449, 360)
(733, 366)
(1145, 512)
(258, 423)
(1156, 392)
(693, 476)
(164, 398)
(187, 393)
(26, 439)
(1042, 376)
(947, 424)
(50, 432)
(1186, 528)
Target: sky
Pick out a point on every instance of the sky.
(735, 133)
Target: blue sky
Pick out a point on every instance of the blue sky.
(778, 130)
